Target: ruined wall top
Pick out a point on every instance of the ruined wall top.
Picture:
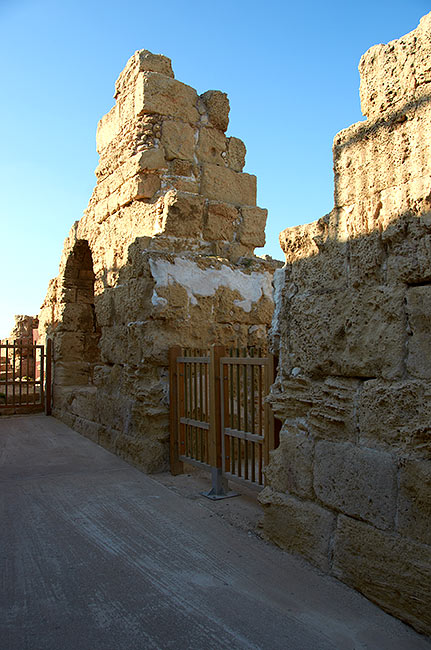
(392, 74)
(168, 171)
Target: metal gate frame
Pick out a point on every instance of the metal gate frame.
(25, 388)
(221, 425)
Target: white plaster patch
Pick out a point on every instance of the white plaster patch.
(205, 282)
(157, 300)
(278, 282)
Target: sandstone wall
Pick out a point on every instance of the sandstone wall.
(164, 255)
(350, 484)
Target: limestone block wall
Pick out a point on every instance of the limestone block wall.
(164, 255)
(350, 484)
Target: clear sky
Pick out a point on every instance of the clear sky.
(289, 68)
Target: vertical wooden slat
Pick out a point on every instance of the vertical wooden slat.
(225, 405)
(7, 374)
(196, 409)
(181, 407)
(47, 375)
(20, 372)
(176, 466)
(245, 400)
(206, 400)
(269, 418)
(13, 374)
(253, 419)
(231, 412)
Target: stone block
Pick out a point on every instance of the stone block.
(251, 230)
(87, 428)
(179, 167)
(178, 140)
(236, 154)
(359, 482)
(107, 129)
(396, 416)
(77, 317)
(367, 261)
(409, 252)
(414, 501)
(84, 403)
(223, 184)
(183, 214)
(333, 410)
(158, 94)
(313, 253)
(211, 146)
(348, 333)
(391, 73)
(150, 455)
(217, 107)
(68, 346)
(146, 186)
(290, 467)
(141, 61)
(141, 186)
(389, 570)
(101, 210)
(149, 62)
(220, 223)
(72, 373)
(419, 341)
(151, 159)
(291, 397)
(300, 527)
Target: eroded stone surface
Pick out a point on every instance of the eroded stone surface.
(387, 568)
(164, 255)
(300, 527)
(351, 329)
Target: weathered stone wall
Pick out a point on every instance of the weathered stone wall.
(350, 484)
(163, 255)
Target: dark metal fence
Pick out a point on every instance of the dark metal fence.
(25, 377)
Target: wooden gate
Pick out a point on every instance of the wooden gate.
(25, 377)
(219, 417)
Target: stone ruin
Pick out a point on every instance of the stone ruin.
(350, 484)
(164, 255)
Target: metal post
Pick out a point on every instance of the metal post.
(219, 486)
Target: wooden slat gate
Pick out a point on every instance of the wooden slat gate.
(219, 418)
(25, 377)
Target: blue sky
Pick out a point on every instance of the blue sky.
(290, 71)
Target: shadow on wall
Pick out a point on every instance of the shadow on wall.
(76, 348)
(350, 483)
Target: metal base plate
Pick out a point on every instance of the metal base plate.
(216, 497)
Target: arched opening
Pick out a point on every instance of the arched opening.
(78, 335)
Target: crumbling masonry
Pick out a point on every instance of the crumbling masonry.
(350, 484)
(164, 255)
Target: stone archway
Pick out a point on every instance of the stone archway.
(77, 338)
